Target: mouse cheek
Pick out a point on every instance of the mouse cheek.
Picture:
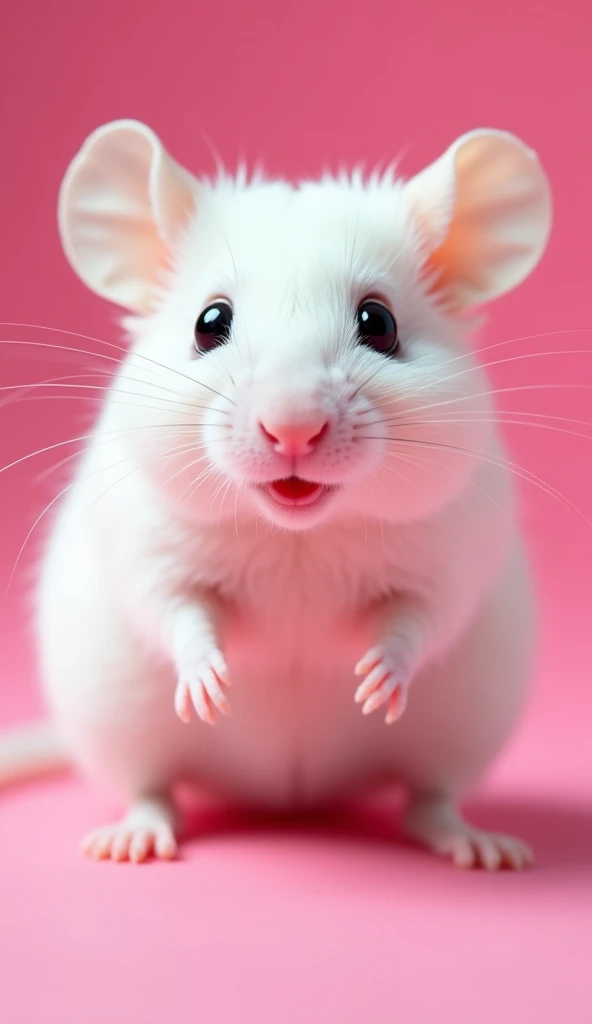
(229, 447)
(369, 453)
(460, 427)
(426, 468)
(217, 441)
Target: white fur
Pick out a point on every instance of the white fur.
(156, 554)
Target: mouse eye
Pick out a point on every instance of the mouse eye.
(377, 328)
(213, 327)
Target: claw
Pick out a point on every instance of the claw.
(200, 685)
(387, 680)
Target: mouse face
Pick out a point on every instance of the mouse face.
(319, 362)
(298, 353)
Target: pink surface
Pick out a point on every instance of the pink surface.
(262, 923)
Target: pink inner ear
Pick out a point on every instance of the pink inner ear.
(499, 222)
(122, 204)
(173, 193)
(442, 269)
(488, 195)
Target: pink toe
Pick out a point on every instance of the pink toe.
(220, 667)
(377, 677)
(165, 845)
(489, 854)
(373, 702)
(87, 845)
(209, 709)
(140, 847)
(463, 854)
(102, 847)
(516, 855)
(183, 703)
(370, 660)
(120, 847)
(202, 704)
(215, 693)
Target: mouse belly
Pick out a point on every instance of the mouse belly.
(294, 737)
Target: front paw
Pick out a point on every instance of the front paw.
(201, 683)
(387, 682)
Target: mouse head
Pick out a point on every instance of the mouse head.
(298, 351)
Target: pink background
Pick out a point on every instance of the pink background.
(261, 923)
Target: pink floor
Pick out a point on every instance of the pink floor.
(335, 922)
(308, 922)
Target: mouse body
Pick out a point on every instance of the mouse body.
(289, 564)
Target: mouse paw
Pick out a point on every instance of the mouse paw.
(201, 685)
(387, 682)
(147, 831)
(435, 824)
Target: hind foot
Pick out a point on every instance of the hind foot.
(433, 822)
(147, 830)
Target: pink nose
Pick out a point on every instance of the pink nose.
(294, 438)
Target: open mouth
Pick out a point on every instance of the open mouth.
(294, 492)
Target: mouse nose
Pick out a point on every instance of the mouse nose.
(294, 438)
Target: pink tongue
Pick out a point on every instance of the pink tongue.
(294, 488)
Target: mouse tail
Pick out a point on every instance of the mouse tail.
(31, 751)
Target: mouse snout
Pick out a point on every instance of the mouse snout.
(294, 438)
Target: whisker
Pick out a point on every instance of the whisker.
(500, 391)
(224, 490)
(498, 462)
(26, 540)
(494, 417)
(365, 383)
(223, 497)
(44, 473)
(106, 390)
(494, 421)
(186, 466)
(64, 490)
(478, 366)
(106, 440)
(194, 484)
(421, 461)
(136, 469)
(101, 355)
(477, 352)
(217, 492)
(401, 477)
(512, 341)
(120, 434)
(236, 497)
(58, 381)
(131, 405)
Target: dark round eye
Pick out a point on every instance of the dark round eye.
(213, 327)
(377, 328)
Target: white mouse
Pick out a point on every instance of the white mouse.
(289, 565)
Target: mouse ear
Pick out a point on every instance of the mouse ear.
(122, 205)
(484, 216)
